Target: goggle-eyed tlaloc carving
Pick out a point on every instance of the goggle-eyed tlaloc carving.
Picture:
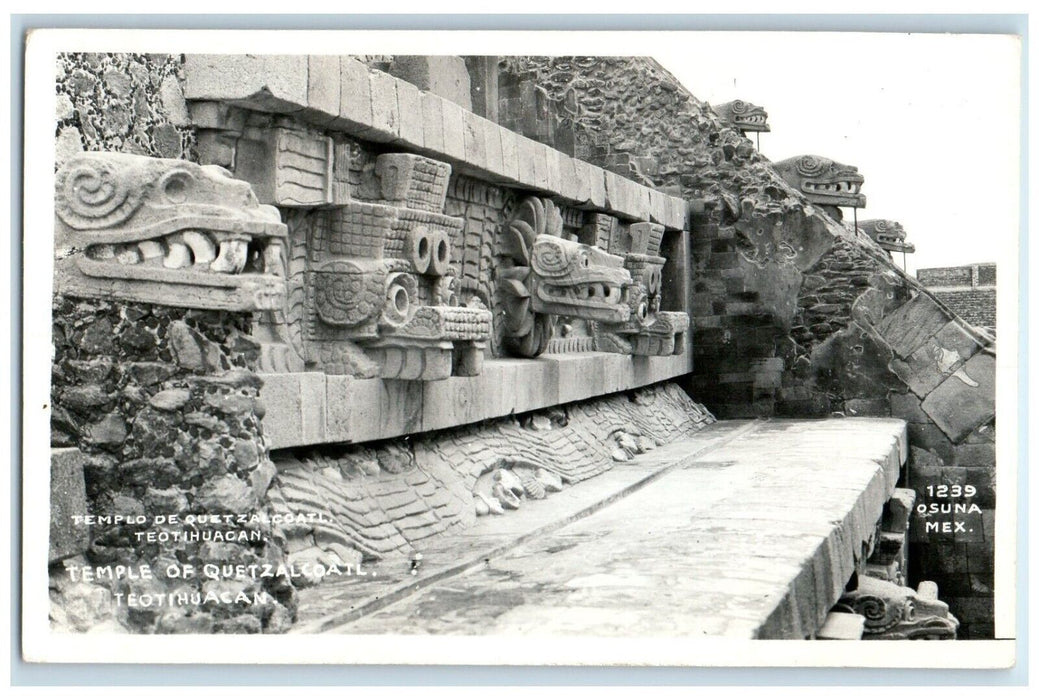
(823, 181)
(744, 116)
(648, 330)
(166, 232)
(546, 275)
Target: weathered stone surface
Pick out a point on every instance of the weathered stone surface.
(263, 82)
(966, 400)
(911, 325)
(170, 399)
(355, 97)
(445, 76)
(226, 494)
(141, 220)
(68, 499)
(840, 625)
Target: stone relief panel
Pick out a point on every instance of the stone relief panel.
(165, 231)
(398, 268)
(899, 612)
(379, 280)
(379, 500)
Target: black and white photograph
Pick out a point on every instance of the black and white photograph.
(540, 348)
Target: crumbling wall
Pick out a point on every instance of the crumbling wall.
(793, 314)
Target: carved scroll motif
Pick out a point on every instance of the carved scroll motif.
(899, 612)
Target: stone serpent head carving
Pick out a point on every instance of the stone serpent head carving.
(744, 116)
(166, 232)
(544, 275)
(888, 234)
(899, 612)
(823, 181)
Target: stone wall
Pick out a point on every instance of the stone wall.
(969, 290)
(793, 313)
(161, 404)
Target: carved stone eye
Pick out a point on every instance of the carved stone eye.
(739, 107)
(584, 260)
(176, 186)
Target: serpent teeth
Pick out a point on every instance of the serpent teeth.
(273, 263)
(201, 246)
(232, 257)
(150, 250)
(178, 256)
(128, 256)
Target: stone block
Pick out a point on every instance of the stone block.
(643, 202)
(454, 130)
(953, 337)
(323, 89)
(509, 154)
(475, 140)
(839, 625)
(907, 407)
(409, 110)
(263, 82)
(385, 126)
(68, 498)
(554, 170)
(908, 327)
(929, 437)
(492, 142)
(582, 182)
(568, 186)
(283, 420)
(312, 391)
(965, 400)
(483, 85)
(355, 97)
(527, 148)
(541, 174)
(445, 76)
(975, 455)
(432, 123)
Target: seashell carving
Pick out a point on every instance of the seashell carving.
(533, 488)
(550, 480)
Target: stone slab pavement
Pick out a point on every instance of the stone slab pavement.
(745, 529)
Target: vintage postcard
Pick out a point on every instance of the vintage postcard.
(521, 348)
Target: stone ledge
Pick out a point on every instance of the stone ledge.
(311, 408)
(376, 106)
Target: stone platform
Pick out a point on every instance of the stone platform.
(745, 529)
(312, 408)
